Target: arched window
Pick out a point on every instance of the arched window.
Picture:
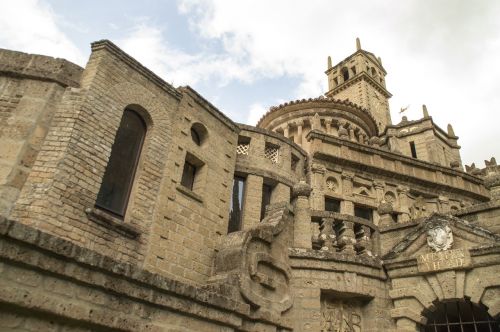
(119, 175)
(198, 133)
(345, 73)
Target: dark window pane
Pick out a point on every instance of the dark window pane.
(266, 199)
(465, 311)
(236, 212)
(458, 316)
(363, 213)
(413, 150)
(452, 311)
(188, 175)
(332, 205)
(120, 171)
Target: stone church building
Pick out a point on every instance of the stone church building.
(127, 204)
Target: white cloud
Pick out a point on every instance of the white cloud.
(148, 45)
(256, 111)
(35, 31)
(441, 53)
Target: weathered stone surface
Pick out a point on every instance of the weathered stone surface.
(385, 225)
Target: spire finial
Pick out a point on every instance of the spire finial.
(424, 109)
(358, 44)
(450, 131)
(329, 62)
(379, 60)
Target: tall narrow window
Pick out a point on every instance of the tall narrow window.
(236, 212)
(266, 199)
(345, 73)
(119, 175)
(413, 149)
(188, 175)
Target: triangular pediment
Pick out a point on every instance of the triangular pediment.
(442, 232)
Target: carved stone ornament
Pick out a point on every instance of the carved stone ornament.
(439, 237)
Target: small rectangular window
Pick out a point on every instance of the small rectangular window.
(363, 212)
(332, 205)
(243, 145)
(236, 207)
(267, 191)
(271, 152)
(413, 149)
(188, 175)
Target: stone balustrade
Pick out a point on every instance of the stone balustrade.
(344, 233)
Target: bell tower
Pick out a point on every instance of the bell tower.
(361, 79)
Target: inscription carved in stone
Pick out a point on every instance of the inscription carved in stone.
(443, 260)
(340, 315)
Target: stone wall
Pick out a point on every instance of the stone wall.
(189, 224)
(30, 88)
(60, 285)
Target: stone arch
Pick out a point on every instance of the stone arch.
(416, 294)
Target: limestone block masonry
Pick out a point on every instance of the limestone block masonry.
(127, 204)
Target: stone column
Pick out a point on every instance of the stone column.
(347, 206)
(379, 194)
(347, 239)
(252, 201)
(352, 135)
(328, 124)
(404, 204)
(317, 181)
(285, 130)
(302, 219)
(300, 124)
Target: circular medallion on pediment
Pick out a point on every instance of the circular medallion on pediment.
(439, 237)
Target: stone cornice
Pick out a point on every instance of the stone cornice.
(136, 65)
(359, 52)
(320, 102)
(483, 207)
(40, 67)
(210, 107)
(432, 126)
(41, 251)
(359, 77)
(265, 132)
(396, 157)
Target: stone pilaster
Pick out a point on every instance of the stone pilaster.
(252, 201)
(318, 180)
(302, 219)
(300, 124)
(404, 203)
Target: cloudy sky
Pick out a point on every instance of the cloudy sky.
(245, 56)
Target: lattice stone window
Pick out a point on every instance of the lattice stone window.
(243, 148)
(271, 152)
